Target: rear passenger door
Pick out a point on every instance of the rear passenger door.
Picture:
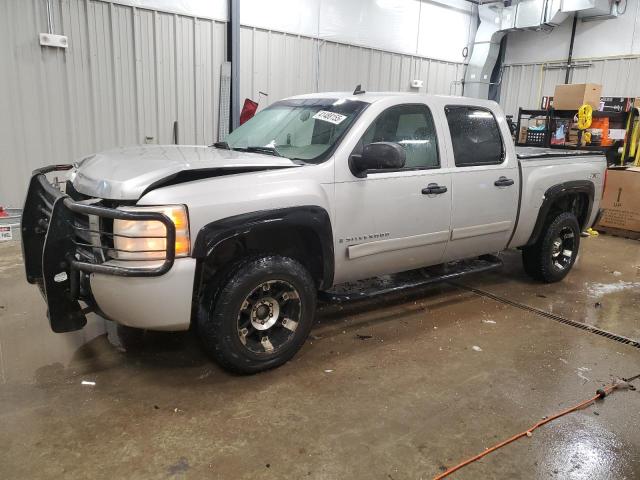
(485, 183)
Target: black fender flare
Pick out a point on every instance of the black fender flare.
(554, 193)
(309, 217)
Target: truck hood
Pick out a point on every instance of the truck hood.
(127, 173)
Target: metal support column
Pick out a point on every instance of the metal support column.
(233, 56)
(570, 57)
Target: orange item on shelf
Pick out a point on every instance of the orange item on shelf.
(602, 124)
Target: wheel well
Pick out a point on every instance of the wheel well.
(576, 203)
(574, 197)
(297, 242)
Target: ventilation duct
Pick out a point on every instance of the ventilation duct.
(497, 19)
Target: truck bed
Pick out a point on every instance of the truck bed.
(544, 168)
(534, 153)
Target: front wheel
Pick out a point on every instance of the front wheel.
(551, 258)
(261, 316)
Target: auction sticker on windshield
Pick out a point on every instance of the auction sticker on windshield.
(330, 117)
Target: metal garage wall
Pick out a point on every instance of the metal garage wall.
(130, 72)
(342, 67)
(127, 75)
(523, 85)
(283, 64)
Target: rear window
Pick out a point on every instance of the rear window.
(475, 136)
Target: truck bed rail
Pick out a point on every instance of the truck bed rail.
(534, 153)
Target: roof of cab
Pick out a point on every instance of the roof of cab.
(368, 97)
(372, 97)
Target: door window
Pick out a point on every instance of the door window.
(412, 127)
(475, 136)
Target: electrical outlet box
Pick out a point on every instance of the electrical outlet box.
(417, 83)
(53, 40)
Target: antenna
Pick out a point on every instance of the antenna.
(358, 90)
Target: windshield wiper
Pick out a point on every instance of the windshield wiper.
(268, 150)
(254, 148)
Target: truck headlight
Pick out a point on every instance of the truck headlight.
(146, 240)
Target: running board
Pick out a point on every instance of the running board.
(399, 282)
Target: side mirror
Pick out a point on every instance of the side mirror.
(377, 156)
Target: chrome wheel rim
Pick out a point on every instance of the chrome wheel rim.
(269, 317)
(563, 248)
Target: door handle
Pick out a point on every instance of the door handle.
(503, 182)
(434, 189)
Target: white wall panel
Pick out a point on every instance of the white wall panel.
(128, 74)
(300, 17)
(282, 65)
(209, 9)
(609, 47)
(145, 58)
(444, 31)
(390, 25)
(428, 28)
(618, 76)
(185, 66)
(523, 85)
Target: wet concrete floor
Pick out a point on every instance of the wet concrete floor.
(397, 388)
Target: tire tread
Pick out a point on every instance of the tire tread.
(535, 258)
(213, 312)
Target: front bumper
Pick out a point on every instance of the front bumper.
(159, 303)
(65, 239)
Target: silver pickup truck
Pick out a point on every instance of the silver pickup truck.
(237, 239)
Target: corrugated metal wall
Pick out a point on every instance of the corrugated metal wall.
(283, 64)
(129, 73)
(524, 85)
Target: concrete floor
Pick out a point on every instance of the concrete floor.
(406, 403)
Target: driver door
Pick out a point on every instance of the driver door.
(395, 220)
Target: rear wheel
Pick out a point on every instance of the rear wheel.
(261, 315)
(551, 258)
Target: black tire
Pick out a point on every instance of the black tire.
(548, 259)
(225, 318)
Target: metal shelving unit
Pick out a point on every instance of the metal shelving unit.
(542, 138)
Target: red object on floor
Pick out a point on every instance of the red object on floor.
(248, 110)
(3, 212)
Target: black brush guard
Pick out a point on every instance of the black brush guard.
(55, 255)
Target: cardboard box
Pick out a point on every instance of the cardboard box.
(522, 136)
(621, 200)
(572, 97)
(607, 104)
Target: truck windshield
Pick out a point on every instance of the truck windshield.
(305, 129)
